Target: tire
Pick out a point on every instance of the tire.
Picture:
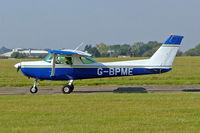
(67, 89)
(33, 90)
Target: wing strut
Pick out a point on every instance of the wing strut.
(53, 65)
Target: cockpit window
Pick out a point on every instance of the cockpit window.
(87, 60)
(64, 59)
(48, 58)
(60, 59)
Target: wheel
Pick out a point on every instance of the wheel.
(67, 89)
(33, 89)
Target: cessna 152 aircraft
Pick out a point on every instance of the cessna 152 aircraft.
(73, 64)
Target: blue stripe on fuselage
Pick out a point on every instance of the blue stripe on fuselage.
(84, 73)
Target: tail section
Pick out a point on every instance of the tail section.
(165, 55)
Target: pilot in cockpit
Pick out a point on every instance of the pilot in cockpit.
(68, 60)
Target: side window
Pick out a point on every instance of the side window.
(87, 60)
(63, 59)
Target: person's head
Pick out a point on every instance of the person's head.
(68, 58)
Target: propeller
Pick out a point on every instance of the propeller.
(18, 66)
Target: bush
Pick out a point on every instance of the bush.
(18, 55)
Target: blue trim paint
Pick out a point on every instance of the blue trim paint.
(174, 39)
(85, 73)
(62, 52)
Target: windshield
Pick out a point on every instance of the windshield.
(87, 60)
(48, 58)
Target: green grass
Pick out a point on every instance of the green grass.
(178, 112)
(186, 71)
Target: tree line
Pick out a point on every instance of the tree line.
(138, 49)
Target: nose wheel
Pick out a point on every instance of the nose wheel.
(34, 88)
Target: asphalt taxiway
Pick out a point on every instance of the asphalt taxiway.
(103, 89)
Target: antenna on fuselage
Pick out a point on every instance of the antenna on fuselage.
(78, 47)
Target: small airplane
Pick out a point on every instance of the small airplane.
(74, 64)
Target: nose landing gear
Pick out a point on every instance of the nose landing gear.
(34, 88)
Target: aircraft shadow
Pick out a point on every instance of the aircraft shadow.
(118, 90)
(130, 90)
(191, 90)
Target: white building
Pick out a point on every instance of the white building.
(28, 52)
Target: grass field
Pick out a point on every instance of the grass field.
(186, 71)
(178, 112)
(105, 112)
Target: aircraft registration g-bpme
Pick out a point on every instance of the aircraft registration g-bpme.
(73, 64)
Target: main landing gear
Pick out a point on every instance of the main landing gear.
(66, 89)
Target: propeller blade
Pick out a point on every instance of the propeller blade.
(18, 68)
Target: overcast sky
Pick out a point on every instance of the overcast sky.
(67, 23)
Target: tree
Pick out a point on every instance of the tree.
(125, 49)
(114, 50)
(18, 55)
(142, 49)
(92, 50)
(150, 52)
(87, 47)
(103, 49)
(193, 52)
(137, 48)
(179, 53)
